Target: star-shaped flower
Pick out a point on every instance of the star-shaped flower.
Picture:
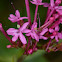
(55, 33)
(16, 18)
(33, 32)
(39, 2)
(18, 33)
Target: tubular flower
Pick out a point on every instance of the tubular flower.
(18, 33)
(16, 18)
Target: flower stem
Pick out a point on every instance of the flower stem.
(48, 45)
(28, 11)
(35, 16)
(2, 30)
(39, 20)
(46, 24)
(29, 38)
(49, 15)
(55, 24)
(35, 46)
(48, 11)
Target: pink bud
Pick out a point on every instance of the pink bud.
(30, 51)
(0, 26)
(8, 46)
(35, 49)
(48, 51)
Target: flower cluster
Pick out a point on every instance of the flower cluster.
(28, 34)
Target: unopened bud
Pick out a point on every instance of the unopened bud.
(30, 51)
(8, 46)
(0, 26)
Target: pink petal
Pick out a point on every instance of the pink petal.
(34, 26)
(36, 36)
(56, 16)
(27, 34)
(21, 18)
(14, 38)
(56, 37)
(60, 7)
(52, 37)
(17, 13)
(58, 1)
(11, 31)
(22, 38)
(57, 28)
(42, 37)
(26, 31)
(34, 0)
(46, 5)
(51, 30)
(59, 12)
(12, 20)
(24, 26)
(36, 3)
(32, 35)
(12, 16)
(60, 35)
(44, 31)
(52, 2)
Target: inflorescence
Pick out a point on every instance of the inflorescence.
(49, 31)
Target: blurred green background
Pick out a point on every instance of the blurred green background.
(16, 55)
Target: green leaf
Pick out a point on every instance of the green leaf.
(7, 55)
(36, 57)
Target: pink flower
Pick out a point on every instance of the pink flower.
(58, 1)
(16, 18)
(55, 4)
(42, 33)
(18, 33)
(33, 32)
(55, 33)
(39, 2)
(59, 9)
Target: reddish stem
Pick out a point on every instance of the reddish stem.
(2, 30)
(46, 24)
(49, 15)
(28, 11)
(55, 24)
(48, 11)
(35, 16)
(35, 45)
(48, 45)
